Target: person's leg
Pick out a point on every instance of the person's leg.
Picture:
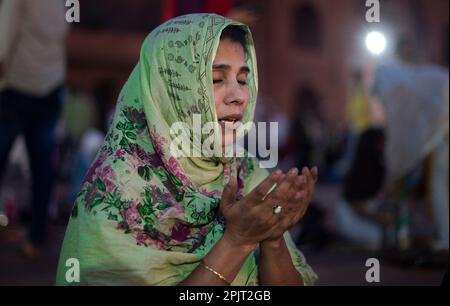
(357, 229)
(39, 137)
(9, 128)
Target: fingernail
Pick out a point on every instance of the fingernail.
(293, 171)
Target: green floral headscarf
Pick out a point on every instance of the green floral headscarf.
(144, 217)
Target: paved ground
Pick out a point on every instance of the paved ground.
(16, 269)
(337, 264)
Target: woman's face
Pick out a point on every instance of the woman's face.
(231, 92)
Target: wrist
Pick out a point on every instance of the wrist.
(272, 243)
(234, 243)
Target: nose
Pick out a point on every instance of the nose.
(236, 94)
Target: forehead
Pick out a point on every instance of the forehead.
(230, 51)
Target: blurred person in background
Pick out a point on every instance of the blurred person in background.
(361, 216)
(358, 110)
(305, 143)
(414, 96)
(32, 73)
(81, 133)
(307, 137)
(358, 118)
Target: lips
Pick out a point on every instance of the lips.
(232, 121)
(231, 118)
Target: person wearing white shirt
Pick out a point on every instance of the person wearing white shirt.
(32, 74)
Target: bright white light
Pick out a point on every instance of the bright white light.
(375, 42)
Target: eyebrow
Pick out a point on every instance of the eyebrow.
(228, 67)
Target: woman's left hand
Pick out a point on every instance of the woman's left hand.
(293, 194)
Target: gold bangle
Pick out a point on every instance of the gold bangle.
(214, 272)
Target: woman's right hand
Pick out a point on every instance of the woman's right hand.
(248, 221)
